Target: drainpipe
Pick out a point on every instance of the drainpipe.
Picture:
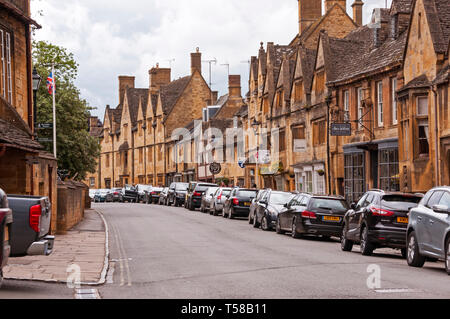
(436, 128)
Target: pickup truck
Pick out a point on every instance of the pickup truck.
(29, 232)
(6, 220)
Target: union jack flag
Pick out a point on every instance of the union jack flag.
(50, 83)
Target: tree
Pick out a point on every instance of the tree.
(77, 149)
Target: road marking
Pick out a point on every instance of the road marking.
(397, 291)
(87, 294)
(123, 259)
(122, 278)
(126, 259)
(110, 275)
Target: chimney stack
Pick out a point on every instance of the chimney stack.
(234, 86)
(309, 11)
(159, 77)
(196, 61)
(215, 97)
(330, 3)
(125, 82)
(358, 12)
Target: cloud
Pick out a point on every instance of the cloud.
(114, 37)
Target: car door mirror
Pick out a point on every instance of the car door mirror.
(286, 206)
(441, 209)
(353, 206)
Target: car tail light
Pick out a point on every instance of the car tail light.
(309, 215)
(381, 212)
(235, 201)
(197, 194)
(219, 197)
(35, 218)
(116, 193)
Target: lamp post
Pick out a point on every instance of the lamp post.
(36, 84)
(256, 126)
(328, 101)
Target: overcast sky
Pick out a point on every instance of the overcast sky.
(115, 37)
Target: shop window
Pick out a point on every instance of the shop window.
(354, 176)
(389, 170)
(319, 183)
(308, 182)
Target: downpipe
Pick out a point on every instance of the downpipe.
(436, 128)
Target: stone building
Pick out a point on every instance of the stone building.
(423, 99)
(24, 167)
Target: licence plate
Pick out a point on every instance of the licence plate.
(6, 233)
(331, 219)
(247, 204)
(403, 220)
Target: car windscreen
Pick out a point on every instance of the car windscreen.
(247, 193)
(280, 198)
(181, 187)
(332, 204)
(202, 188)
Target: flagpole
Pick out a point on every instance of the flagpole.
(54, 110)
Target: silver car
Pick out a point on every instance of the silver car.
(207, 199)
(429, 229)
(216, 205)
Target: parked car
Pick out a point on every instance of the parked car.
(142, 191)
(195, 199)
(153, 197)
(101, 195)
(313, 215)
(30, 230)
(115, 195)
(190, 191)
(270, 205)
(92, 193)
(255, 204)
(207, 198)
(218, 200)
(163, 196)
(379, 219)
(238, 203)
(130, 194)
(429, 229)
(177, 194)
(6, 219)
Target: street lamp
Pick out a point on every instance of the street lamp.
(256, 126)
(36, 84)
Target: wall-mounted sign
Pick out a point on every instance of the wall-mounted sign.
(44, 126)
(215, 168)
(241, 164)
(300, 146)
(341, 129)
(45, 140)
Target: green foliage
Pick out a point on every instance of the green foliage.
(77, 150)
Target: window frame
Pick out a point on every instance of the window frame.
(380, 104)
(394, 83)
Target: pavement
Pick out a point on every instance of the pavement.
(83, 247)
(172, 253)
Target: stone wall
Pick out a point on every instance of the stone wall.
(73, 198)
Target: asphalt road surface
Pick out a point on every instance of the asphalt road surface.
(167, 252)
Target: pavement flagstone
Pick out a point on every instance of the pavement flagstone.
(83, 246)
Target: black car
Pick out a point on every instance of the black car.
(153, 197)
(238, 203)
(313, 215)
(130, 194)
(195, 197)
(115, 195)
(269, 206)
(143, 191)
(380, 219)
(163, 196)
(177, 194)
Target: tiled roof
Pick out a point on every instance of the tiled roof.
(438, 14)
(134, 97)
(171, 92)
(350, 58)
(154, 99)
(401, 6)
(307, 60)
(243, 111)
(443, 75)
(419, 82)
(14, 136)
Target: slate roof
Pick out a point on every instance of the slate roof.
(171, 92)
(154, 100)
(134, 97)
(401, 6)
(443, 75)
(243, 111)
(438, 14)
(419, 82)
(307, 57)
(10, 134)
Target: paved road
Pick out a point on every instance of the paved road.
(166, 252)
(12, 289)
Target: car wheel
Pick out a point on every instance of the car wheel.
(366, 247)
(346, 245)
(255, 222)
(447, 256)
(1, 278)
(265, 224)
(190, 207)
(230, 213)
(278, 229)
(294, 233)
(404, 253)
(414, 258)
(250, 219)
